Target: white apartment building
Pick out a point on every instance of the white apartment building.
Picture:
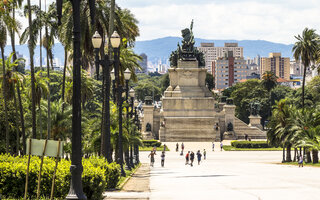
(212, 53)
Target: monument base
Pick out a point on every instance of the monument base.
(255, 121)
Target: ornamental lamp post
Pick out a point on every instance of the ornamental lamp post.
(127, 76)
(131, 94)
(105, 63)
(115, 43)
(136, 121)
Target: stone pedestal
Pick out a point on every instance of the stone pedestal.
(188, 105)
(229, 116)
(147, 119)
(255, 121)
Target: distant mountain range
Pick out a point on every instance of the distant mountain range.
(160, 49)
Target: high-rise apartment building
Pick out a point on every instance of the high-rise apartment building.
(212, 53)
(229, 70)
(278, 65)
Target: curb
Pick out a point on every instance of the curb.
(127, 179)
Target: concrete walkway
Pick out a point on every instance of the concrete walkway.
(137, 186)
(224, 175)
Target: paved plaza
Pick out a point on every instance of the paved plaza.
(229, 175)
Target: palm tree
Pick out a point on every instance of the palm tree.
(31, 46)
(280, 131)
(41, 90)
(305, 50)
(307, 123)
(6, 23)
(12, 79)
(269, 80)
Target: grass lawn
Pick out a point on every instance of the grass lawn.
(128, 175)
(151, 148)
(231, 148)
(304, 164)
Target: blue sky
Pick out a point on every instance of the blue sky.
(272, 20)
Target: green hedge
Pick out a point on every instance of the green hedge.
(97, 176)
(151, 143)
(250, 144)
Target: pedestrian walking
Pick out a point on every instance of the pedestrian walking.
(212, 146)
(191, 158)
(151, 155)
(177, 147)
(182, 146)
(204, 154)
(199, 157)
(154, 149)
(221, 146)
(163, 155)
(300, 161)
(187, 158)
(164, 147)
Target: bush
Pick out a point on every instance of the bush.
(151, 143)
(250, 144)
(96, 177)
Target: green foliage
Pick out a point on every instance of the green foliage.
(151, 143)
(250, 144)
(209, 81)
(96, 177)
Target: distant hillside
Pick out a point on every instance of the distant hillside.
(161, 48)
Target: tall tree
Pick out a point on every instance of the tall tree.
(305, 49)
(6, 24)
(269, 80)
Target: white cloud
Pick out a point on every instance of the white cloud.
(272, 20)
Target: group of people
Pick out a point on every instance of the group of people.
(151, 156)
(221, 146)
(190, 156)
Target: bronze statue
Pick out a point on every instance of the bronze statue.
(187, 52)
(254, 108)
(148, 127)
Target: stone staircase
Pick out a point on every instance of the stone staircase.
(241, 128)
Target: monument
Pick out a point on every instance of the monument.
(189, 112)
(188, 105)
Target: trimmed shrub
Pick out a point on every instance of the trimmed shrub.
(250, 144)
(151, 143)
(96, 177)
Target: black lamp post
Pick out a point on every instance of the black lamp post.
(137, 123)
(131, 94)
(127, 75)
(115, 42)
(105, 63)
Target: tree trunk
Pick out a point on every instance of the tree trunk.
(31, 52)
(283, 154)
(306, 65)
(127, 158)
(40, 120)
(49, 95)
(40, 36)
(308, 156)
(17, 123)
(315, 158)
(295, 155)
(4, 92)
(23, 130)
(64, 76)
(288, 159)
(14, 57)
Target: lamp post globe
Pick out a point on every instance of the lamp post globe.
(96, 40)
(115, 40)
(127, 74)
(132, 93)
